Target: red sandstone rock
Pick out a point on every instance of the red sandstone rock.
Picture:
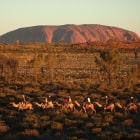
(69, 33)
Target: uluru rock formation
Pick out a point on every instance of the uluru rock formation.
(68, 33)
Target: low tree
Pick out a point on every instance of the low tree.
(109, 62)
(132, 77)
(37, 62)
(51, 62)
(8, 68)
(42, 60)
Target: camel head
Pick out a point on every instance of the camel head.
(14, 104)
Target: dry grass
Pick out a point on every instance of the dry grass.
(128, 122)
(96, 130)
(56, 125)
(108, 118)
(64, 124)
(3, 127)
(30, 132)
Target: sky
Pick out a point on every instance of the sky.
(16, 14)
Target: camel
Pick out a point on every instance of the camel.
(110, 106)
(68, 106)
(45, 106)
(57, 105)
(131, 107)
(40, 105)
(22, 106)
(88, 106)
(127, 108)
(50, 105)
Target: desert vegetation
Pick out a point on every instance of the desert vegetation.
(38, 70)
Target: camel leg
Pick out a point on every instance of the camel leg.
(84, 109)
(94, 111)
(81, 109)
(135, 109)
(112, 110)
(20, 109)
(73, 108)
(126, 110)
(104, 110)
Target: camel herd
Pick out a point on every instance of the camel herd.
(85, 107)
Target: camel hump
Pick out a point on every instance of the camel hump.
(130, 104)
(50, 103)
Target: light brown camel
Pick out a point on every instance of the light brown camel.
(88, 106)
(46, 105)
(129, 107)
(133, 107)
(50, 105)
(68, 106)
(110, 106)
(22, 106)
(57, 105)
(40, 105)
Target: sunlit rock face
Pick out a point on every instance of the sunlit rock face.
(68, 33)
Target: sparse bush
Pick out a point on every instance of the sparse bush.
(3, 127)
(96, 130)
(31, 132)
(80, 133)
(89, 125)
(128, 122)
(58, 117)
(105, 124)
(109, 118)
(63, 93)
(31, 120)
(76, 114)
(116, 136)
(69, 123)
(84, 115)
(9, 91)
(56, 125)
(75, 93)
(109, 62)
(103, 136)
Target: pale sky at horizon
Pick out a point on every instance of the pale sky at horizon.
(16, 14)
